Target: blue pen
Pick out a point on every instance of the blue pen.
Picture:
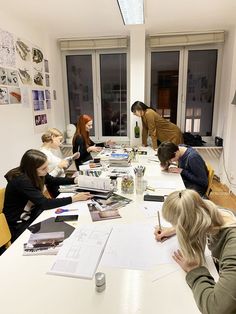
(63, 210)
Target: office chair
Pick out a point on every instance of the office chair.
(211, 173)
(5, 234)
(2, 195)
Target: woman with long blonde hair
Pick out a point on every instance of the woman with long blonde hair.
(52, 140)
(198, 222)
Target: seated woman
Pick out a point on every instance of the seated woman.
(191, 166)
(198, 222)
(51, 141)
(81, 141)
(24, 198)
(159, 129)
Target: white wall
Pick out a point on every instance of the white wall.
(227, 112)
(16, 121)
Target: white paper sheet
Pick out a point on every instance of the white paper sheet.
(133, 246)
(161, 184)
(150, 208)
(81, 252)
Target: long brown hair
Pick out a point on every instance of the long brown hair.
(81, 129)
(30, 162)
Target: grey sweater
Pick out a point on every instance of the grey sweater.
(217, 297)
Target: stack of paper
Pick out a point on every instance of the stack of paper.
(119, 160)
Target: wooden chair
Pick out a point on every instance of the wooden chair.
(2, 195)
(5, 234)
(211, 173)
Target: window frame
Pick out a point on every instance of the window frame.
(95, 53)
(182, 83)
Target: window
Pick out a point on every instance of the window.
(182, 87)
(97, 85)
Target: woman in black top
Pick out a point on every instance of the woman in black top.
(81, 141)
(24, 198)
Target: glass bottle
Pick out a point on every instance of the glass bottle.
(136, 130)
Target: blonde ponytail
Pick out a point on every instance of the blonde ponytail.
(193, 218)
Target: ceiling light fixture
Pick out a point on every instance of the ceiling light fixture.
(132, 11)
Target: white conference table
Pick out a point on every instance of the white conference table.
(25, 287)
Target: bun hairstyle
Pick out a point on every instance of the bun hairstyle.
(47, 137)
(193, 219)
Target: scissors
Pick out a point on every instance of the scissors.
(63, 210)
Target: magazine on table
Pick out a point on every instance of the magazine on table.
(47, 243)
(102, 209)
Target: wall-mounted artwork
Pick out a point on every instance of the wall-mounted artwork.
(7, 49)
(47, 80)
(15, 95)
(4, 97)
(3, 76)
(47, 94)
(48, 104)
(23, 50)
(37, 55)
(24, 61)
(40, 119)
(12, 77)
(54, 95)
(46, 66)
(38, 76)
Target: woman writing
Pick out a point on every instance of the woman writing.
(197, 222)
(51, 142)
(24, 198)
(157, 127)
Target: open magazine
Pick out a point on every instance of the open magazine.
(47, 243)
(103, 209)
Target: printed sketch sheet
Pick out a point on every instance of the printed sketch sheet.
(81, 252)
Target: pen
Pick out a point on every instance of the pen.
(159, 222)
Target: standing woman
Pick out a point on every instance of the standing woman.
(198, 222)
(157, 127)
(24, 198)
(81, 141)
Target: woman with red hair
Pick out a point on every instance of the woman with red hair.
(81, 141)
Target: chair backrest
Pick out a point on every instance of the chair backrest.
(211, 173)
(2, 195)
(5, 234)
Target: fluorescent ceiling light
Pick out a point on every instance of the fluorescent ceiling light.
(132, 11)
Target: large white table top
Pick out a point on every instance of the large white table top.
(25, 287)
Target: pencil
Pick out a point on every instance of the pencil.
(159, 222)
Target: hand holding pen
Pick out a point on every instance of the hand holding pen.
(162, 234)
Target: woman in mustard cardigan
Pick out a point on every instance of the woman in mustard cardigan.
(155, 126)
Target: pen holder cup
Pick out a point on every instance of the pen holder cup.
(140, 184)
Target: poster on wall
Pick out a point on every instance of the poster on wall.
(38, 64)
(23, 61)
(7, 49)
(4, 96)
(15, 95)
(25, 99)
(38, 100)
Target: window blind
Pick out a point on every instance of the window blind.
(97, 43)
(185, 39)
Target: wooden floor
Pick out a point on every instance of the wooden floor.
(221, 196)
